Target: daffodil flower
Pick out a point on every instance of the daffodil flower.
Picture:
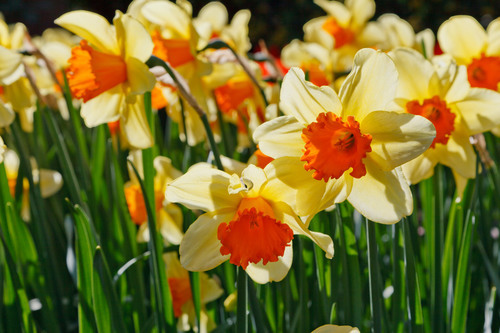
(335, 329)
(107, 71)
(333, 148)
(439, 91)
(182, 298)
(249, 220)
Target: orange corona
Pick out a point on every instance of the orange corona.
(341, 35)
(435, 110)
(333, 146)
(136, 205)
(180, 289)
(484, 72)
(176, 51)
(254, 234)
(92, 72)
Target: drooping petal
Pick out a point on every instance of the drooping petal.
(382, 196)
(104, 108)
(133, 38)
(139, 77)
(200, 247)
(92, 27)
(135, 124)
(202, 187)
(480, 110)
(305, 101)
(371, 85)
(280, 137)
(397, 138)
(272, 271)
(420, 168)
(462, 37)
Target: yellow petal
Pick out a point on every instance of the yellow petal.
(133, 38)
(135, 125)
(139, 77)
(104, 108)
(362, 11)
(336, 9)
(304, 100)
(335, 329)
(6, 115)
(257, 178)
(493, 32)
(10, 66)
(280, 137)
(215, 13)
(168, 220)
(92, 27)
(50, 182)
(272, 271)
(458, 153)
(313, 33)
(381, 196)
(276, 189)
(202, 187)
(480, 110)
(200, 248)
(371, 85)
(169, 16)
(2, 149)
(398, 31)
(397, 137)
(420, 168)
(463, 38)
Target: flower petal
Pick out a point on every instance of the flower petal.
(170, 221)
(420, 168)
(272, 271)
(104, 108)
(458, 153)
(381, 196)
(134, 40)
(397, 137)
(169, 16)
(463, 37)
(139, 77)
(304, 100)
(280, 137)
(362, 11)
(50, 182)
(10, 66)
(371, 85)
(202, 187)
(200, 248)
(480, 110)
(135, 124)
(336, 9)
(92, 27)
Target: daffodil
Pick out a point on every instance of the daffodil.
(439, 90)
(248, 219)
(11, 40)
(335, 329)
(182, 298)
(347, 146)
(107, 71)
(345, 29)
(168, 215)
(50, 181)
(469, 44)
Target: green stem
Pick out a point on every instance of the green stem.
(241, 314)
(373, 269)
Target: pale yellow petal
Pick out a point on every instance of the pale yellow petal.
(215, 13)
(200, 248)
(92, 27)
(336, 9)
(335, 329)
(456, 82)
(272, 271)
(210, 289)
(255, 177)
(480, 110)
(168, 226)
(463, 37)
(313, 33)
(277, 187)
(280, 137)
(371, 85)
(381, 196)
(397, 137)
(493, 32)
(169, 16)
(362, 11)
(415, 74)
(202, 187)
(458, 154)
(133, 38)
(398, 31)
(10, 66)
(425, 42)
(139, 77)
(420, 168)
(50, 182)
(104, 108)
(304, 100)
(2, 149)
(6, 115)
(135, 125)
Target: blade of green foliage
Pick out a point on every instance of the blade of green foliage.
(376, 301)
(242, 305)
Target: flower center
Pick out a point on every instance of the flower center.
(332, 146)
(254, 234)
(180, 289)
(341, 35)
(176, 51)
(136, 204)
(435, 110)
(484, 72)
(92, 72)
(315, 74)
(230, 95)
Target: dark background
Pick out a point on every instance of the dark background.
(277, 22)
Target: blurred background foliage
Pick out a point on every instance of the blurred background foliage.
(276, 22)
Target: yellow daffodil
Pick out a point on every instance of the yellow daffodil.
(439, 90)
(332, 147)
(50, 181)
(108, 72)
(168, 215)
(345, 29)
(249, 220)
(335, 329)
(182, 299)
(11, 40)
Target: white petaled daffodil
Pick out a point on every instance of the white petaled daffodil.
(249, 220)
(439, 91)
(108, 71)
(348, 146)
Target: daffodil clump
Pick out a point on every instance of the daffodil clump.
(162, 176)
